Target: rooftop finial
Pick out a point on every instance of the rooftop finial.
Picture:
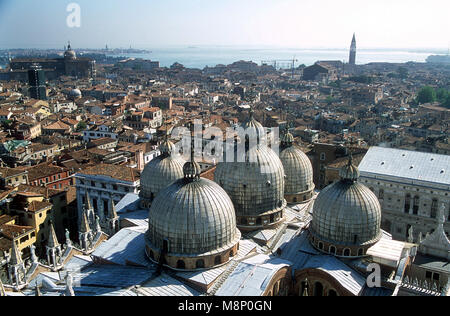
(191, 168)
(349, 172)
(251, 113)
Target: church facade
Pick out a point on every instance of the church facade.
(69, 65)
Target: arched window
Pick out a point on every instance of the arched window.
(200, 264)
(360, 252)
(434, 208)
(416, 205)
(181, 264)
(318, 289)
(347, 252)
(320, 245)
(217, 260)
(407, 202)
(332, 250)
(165, 246)
(332, 293)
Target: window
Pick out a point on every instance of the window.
(407, 203)
(347, 252)
(200, 264)
(332, 293)
(318, 289)
(332, 250)
(381, 194)
(322, 156)
(217, 260)
(434, 207)
(181, 264)
(416, 205)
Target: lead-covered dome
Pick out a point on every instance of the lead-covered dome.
(75, 93)
(254, 183)
(192, 224)
(160, 172)
(346, 216)
(299, 185)
(69, 53)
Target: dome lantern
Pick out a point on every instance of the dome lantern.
(349, 172)
(191, 169)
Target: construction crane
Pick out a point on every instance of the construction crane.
(276, 62)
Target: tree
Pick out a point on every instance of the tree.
(81, 126)
(446, 102)
(441, 95)
(426, 95)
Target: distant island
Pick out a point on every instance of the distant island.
(439, 59)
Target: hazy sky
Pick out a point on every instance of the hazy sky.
(287, 23)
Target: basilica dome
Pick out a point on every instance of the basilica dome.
(346, 216)
(192, 224)
(160, 172)
(255, 183)
(75, 93)
(69, 53)
(299, 185)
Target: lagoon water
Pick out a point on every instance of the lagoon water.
(199, 57)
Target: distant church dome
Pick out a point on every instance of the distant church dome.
(160, 173)
(192, 224)
(75, 93)
(70, 54)
(299, 185)
(256, 184)
(346, 216)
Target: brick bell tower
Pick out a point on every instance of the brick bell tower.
(352, 59)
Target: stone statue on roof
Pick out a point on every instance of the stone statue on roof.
(34, 258)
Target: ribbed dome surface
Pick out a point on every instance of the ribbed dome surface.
(251, 125)
(159, 173)
(346, 213)
(75, 93)
(196, 217)
(298, 170)
(70, 54)
(255, 186)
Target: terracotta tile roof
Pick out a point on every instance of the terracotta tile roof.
(11, 231)
(57, 126)
(113, 171)
(209, 173)
(43, 170)
(5, 219)
(46, 192)
(9, 172)
(36, 206)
